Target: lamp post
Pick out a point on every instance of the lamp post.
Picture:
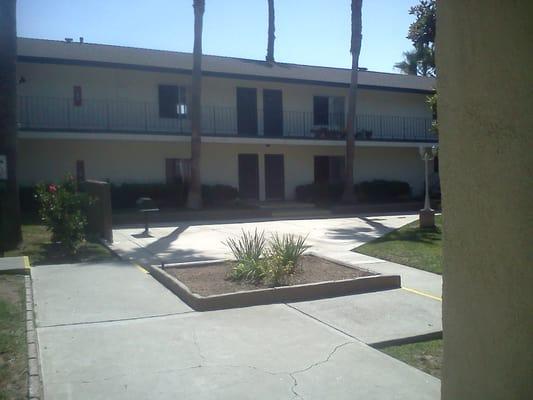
(427, 214)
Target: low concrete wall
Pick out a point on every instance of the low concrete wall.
(285, 294)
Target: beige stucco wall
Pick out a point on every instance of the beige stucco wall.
(135, 161)
(485, 79)
(129, 85)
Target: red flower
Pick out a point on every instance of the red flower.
(52, 188)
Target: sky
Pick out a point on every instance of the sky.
(314, 32)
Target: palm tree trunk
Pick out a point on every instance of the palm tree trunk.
(10, 233)
(194, 199)
(348, 195)
(271, 30)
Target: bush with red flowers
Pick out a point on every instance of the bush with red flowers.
(62, 209)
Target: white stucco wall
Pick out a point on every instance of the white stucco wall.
(129, 85)
(144, 162)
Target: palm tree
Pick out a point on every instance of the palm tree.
(194, 199)
(10, 234)
(271, 30)
(355, 49)
(409, 65)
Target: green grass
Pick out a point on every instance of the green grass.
(410, 245)
(40, 250)
(425, 356)
(13, 365)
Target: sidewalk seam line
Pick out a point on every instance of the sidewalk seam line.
(114, 320)
(325, 323)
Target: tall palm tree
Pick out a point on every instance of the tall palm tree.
(271, 30)
(355, 49)
(194, 199)
(10, 234)
(409, 65)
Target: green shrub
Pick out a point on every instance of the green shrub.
(257, 261)
(213, 195)
(63, 211)
(164, 195)
(382, 190)
(319, 192)
(378, 190)
(276, 271)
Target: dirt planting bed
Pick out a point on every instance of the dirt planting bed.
(207, 286)
(213, 279)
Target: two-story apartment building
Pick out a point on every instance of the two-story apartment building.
(121, 114)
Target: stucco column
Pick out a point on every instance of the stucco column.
(484, 62)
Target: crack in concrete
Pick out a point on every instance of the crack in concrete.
(300, 371)
(197, 345)
(290, 374)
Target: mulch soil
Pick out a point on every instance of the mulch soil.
(212, 279)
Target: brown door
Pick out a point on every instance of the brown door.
(247, 111)
(273, 112)
(274, 177)
(249, 176)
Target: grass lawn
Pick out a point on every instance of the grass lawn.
(38, 247)
(13, 364)
(410, 245)
(425, 356)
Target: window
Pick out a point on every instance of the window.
(178, 170)
(328, 111)
(329, 169)
(320, 110)
(172, 102)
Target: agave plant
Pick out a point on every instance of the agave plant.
(247, 250)
(249, 246)
(287, 248)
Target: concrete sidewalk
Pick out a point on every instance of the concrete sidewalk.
(109, 331)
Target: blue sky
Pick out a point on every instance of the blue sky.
(315, 32)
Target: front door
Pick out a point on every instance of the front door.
(274, 177)
(247, 111)
(273, 112)
(249, 176)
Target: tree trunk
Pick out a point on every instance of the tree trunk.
(10, 233)
(194, 199)
(271, 30)
(348, 195)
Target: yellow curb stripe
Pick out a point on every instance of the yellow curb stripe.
(141, 269)
(27, 262)
(422, 293)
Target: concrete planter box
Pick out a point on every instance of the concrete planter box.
(282, 294)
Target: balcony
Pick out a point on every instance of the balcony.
(103, 116)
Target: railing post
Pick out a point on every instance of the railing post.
(108, 122)
(214, 121)
(68, 112)
(145, 117)
(403, 124)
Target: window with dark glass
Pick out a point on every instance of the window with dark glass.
(172, 102)
(328, 111)
(178, 170)
(320, 110)
(329, 169)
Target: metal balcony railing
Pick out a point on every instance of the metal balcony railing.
(105, 116)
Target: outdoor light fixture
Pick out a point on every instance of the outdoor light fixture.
(427, 214)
